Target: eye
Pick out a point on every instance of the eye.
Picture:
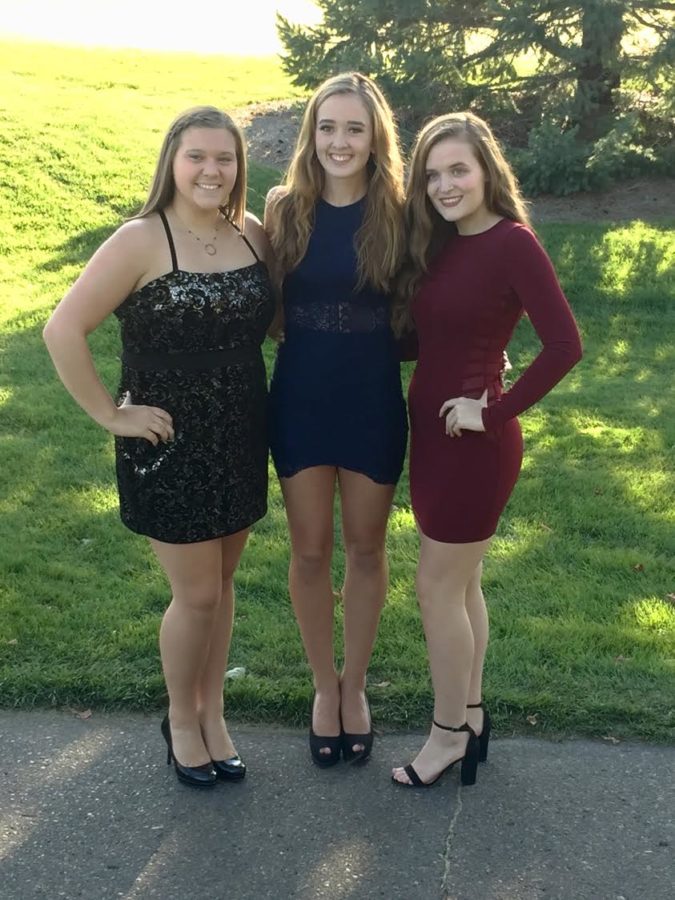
(326, 129)
(356, 130)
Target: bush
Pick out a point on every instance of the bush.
(557, 162)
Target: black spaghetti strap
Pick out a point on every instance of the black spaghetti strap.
(245, 239)
(169, 236)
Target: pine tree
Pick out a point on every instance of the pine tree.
(579, 64)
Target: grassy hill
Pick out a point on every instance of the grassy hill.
(581, 576)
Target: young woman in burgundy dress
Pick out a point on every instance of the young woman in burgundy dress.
(475, 267)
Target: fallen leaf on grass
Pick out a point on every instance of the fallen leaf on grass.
(532, 720)
(383, 684)
(80, 713)
(12, 642)
(638, 567)
(670, 598)
(620, 659)
(610, 738)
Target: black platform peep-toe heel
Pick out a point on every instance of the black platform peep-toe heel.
(469, 761)
(318, 742)
(484, 736)
(365, 741)
(195, 776)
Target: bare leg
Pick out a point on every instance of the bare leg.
(443, 576)
(309, 498)
(365, 511)
(210, 690)
(194, 572)
(480, 626)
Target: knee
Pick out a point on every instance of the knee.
(365, 557)
(201, 601)
(311, 560)
(432, 590)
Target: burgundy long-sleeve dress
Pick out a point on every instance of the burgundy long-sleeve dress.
(465, 312)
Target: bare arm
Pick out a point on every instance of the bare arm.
(111, 275)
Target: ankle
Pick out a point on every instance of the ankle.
(353, 683)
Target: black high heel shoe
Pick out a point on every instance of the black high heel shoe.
(232, 769)
(469, 761)
(484, 736)
(196, 776)
(317, 743)
(349, 754)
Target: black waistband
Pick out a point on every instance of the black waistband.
(202, 359)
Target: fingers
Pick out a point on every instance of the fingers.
(452, 428)
(448, 405)
(162, 424)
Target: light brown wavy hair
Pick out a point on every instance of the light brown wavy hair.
(289, 217)
(426, 231)
(163, 186)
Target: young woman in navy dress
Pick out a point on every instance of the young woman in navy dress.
(474, 268)
(337, 414)
(187, 282)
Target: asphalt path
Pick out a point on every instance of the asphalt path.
(89, 809)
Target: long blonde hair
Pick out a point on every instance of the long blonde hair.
(426, 231)
(290, 214)
(163, 186)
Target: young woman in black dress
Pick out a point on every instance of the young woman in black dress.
(187, 280)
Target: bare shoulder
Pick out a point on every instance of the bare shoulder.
(276, 193)
(139, 237)
(255, 233)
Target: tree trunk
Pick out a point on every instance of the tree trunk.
(598, 72)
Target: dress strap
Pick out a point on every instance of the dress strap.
(245, 239)
(169, 237)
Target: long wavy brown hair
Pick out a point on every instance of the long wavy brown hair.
(426, 231)
(289, 217)
(163, 186)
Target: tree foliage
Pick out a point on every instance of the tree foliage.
(587, 67)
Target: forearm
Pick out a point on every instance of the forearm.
(70, 354)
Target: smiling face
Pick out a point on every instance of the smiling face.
(456, 185)
(205, 167)
(343, 136)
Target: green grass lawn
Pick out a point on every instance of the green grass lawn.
(580, 573)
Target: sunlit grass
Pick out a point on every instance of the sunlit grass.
(578, 575)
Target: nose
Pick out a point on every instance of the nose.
(340, 138)
(210, 166)
(446, 182)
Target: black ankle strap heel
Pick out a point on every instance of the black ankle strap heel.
(470, 758)
(484, 736)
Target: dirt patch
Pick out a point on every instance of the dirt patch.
(272, 128)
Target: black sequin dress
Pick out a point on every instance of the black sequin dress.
(192, 346)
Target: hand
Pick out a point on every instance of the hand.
(463, 413)
(149, 422)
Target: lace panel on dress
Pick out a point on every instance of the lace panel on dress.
(342, 318)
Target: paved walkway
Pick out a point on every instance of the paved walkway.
(89, 811)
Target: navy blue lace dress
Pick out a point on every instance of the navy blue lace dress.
(191, 345)
(335, 396)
